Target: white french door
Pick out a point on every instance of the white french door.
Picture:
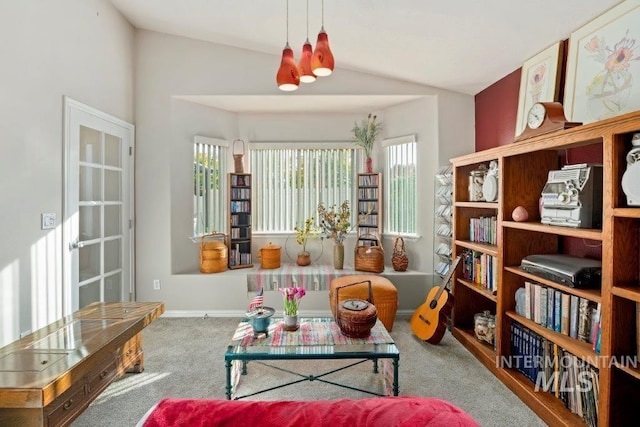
(98, 217)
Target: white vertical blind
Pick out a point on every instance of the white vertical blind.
(401, 190)
(209, 187)
(289, 183)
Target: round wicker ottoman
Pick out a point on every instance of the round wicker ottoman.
(385, 295)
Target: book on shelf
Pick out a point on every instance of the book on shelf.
(564, 317)
(573, 317)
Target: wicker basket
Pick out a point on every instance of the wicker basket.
(369, 258)
(399, 259)
(238, 161)
(356, 317)
(213, 253)
(269, 256)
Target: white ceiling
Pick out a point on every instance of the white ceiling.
(463, 45)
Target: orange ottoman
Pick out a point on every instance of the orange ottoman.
(385, 295)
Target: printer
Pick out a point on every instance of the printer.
(572, 197)
(572, 271)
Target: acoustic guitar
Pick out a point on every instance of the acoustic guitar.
(429, 322)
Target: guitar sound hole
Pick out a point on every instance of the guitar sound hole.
(433, 304)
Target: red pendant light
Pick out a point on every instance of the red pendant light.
(288, 77)
(322, 62)
(304, 66)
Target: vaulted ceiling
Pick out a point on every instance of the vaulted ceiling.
(463, 45)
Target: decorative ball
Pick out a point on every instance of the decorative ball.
(520, 214)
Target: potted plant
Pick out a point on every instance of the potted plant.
(335, 224)
(291, 301)
(303, 234)
(364, 135)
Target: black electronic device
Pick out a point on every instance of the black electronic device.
(569, 270)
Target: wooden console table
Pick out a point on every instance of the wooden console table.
(50, 376)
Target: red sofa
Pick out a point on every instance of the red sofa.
(380, 411)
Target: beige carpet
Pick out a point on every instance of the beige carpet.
(185, 358)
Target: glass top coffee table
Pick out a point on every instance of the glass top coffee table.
(317, 338)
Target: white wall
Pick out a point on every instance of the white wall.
(81, 49)
(168, 66)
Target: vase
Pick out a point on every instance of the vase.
(291, 322)
(369, 163)
(304, 259)
(338, 256)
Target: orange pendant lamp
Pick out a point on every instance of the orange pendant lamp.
(322, 62)
(304, 66)
(288, 77)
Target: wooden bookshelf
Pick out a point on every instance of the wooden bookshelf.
(369, 200)
(240, 236)
(523, 169)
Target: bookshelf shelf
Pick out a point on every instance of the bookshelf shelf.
(581, 349)
(629, 292)
(480, 247)
(479, 289)
(522, 173)
(582, 233)
(594, 295)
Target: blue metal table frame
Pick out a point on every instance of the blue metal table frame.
(359, 350)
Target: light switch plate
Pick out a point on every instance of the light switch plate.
(48, 221)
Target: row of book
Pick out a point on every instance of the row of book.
(240, 193)
(368, 208)
(239, 232)
(240, 206)
(239, 258)
(371, 219)
(481, 269)
(367, 180)
(554, 370)
(368, 193)
(561, 312)
(241, 180)
(483, 230)
(241, 219)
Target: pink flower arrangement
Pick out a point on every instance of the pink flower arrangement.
(291, 298)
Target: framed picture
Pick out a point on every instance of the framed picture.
(539, 82)
(603, 66)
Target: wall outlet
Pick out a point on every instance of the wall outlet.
(156, 284)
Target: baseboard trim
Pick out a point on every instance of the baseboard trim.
(240, 314)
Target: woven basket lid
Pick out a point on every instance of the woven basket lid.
(270, 247)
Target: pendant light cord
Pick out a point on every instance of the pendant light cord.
(307, 20)
(287, 22)
(322, 14)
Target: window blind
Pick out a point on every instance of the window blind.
(400, 187)
(289, 183)
(209, 185)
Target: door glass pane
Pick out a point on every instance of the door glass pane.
(112, 150)
(89, 222)
(112, 220)
(90, 184)
(112, 187)
(89, 261)
(89, 293)
(112, 255)
(112, 285)
(90, 149)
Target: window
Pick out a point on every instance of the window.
(400, 187)
(209, 194)
(289, 182)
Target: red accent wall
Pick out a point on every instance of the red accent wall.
(497, 111)
(496, 114)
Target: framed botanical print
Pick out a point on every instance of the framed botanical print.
(539, 82)
(603, 66)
